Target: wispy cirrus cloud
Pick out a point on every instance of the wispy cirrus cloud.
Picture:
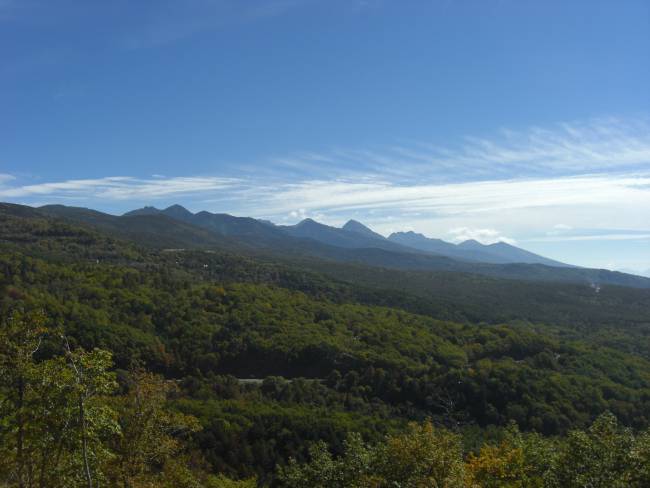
(120, 188)
(598, 145)
(570, 168)
(603, 235)
(4, 178)
(438, 200)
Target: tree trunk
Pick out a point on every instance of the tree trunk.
(84, 443)
(20, 453)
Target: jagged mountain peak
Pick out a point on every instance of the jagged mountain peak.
(176, 207)
(358, 228)
(178, 212)
(471, 243)
(307, 222)
(354, 224)
(407, 233)
(146, 210)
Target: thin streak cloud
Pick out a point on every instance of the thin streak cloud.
(595, 146)
(596, 237)
(458, 198)
(120, 188)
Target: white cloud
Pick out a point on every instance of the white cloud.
(595, 237)
(559, 229)
(483, 197)
(301, 213)
(562, 227)
(514, 206)
(594, 146)
(5, 178)
(484, 236)
(120, 188)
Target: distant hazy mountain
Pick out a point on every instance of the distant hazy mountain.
(223, 224)
(175, 211)
(176, 227)
(178, 212)
(508, 253)
(438, 246)
(266, 222)
(499, 253)
(145, 226)
(132, 213)
(645, 273)
(233, 226)
(353, 236)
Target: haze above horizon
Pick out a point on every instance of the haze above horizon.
(525, 122)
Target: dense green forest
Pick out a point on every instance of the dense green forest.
(306, 373)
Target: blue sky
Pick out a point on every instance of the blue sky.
(524, 121)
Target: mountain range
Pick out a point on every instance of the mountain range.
(354, 235)
(177, 227)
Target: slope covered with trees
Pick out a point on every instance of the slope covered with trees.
(255, 360)
(173, 226)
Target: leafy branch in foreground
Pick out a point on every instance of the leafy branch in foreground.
(63, 425)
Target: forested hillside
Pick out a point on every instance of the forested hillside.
(175, 227)
(252, 362)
